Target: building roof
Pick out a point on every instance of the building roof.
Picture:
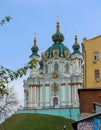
(74, 125)
(57, 38)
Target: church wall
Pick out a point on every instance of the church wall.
(71, 113)
(53, 77)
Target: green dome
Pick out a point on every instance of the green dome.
(34, 48)
(76, 46)
(58, 36)
(58, 46)
(61, 47)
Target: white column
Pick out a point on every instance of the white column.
(31, 97)
(47, 95)
(41, 96)
(69, 90)
(35, 95)
(75, 93)
(63, 95)
(38, 94)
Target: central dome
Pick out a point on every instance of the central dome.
(58, 37)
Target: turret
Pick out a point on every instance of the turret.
(76, 57)
(35, 71)
(76, 46)
(34, 49)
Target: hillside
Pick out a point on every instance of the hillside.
(35, 122)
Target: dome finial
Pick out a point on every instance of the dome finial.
(34, 38)
(58, 26)
(75, 38)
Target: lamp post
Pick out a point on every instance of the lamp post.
(64, 127)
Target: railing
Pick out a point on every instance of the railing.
(51, 107)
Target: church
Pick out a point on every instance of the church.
(58, 75)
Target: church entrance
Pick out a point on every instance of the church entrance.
(55, 101)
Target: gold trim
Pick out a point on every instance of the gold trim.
(62, 61)
(55, 75)
(33, 85)
(47, 85)
(75, 83)
(50, 62)
(63, 83)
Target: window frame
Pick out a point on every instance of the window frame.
(96, 56)
(97, 75)
(56, 67)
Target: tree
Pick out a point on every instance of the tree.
(8, 104)
(7, 75)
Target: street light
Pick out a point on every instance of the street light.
(64, 127)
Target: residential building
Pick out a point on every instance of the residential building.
(92, 62)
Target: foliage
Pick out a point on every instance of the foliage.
(8, 104)
(36, 122)
(7, 75)
(6, 19)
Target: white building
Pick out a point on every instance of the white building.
(57, 76)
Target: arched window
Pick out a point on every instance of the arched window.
(55, 101)
(55, 66)
(67, 68)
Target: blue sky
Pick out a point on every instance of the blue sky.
(80, 17)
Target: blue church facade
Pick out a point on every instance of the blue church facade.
(52, 86)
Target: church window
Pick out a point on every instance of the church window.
(97, 75)
(67, 54)
(55, 101)
(46, 67)
(67, 68)
(96, 56)
(55, 66)
(55, 53)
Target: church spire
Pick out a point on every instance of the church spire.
(58, 27)
(35, 47)
(76, 46)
